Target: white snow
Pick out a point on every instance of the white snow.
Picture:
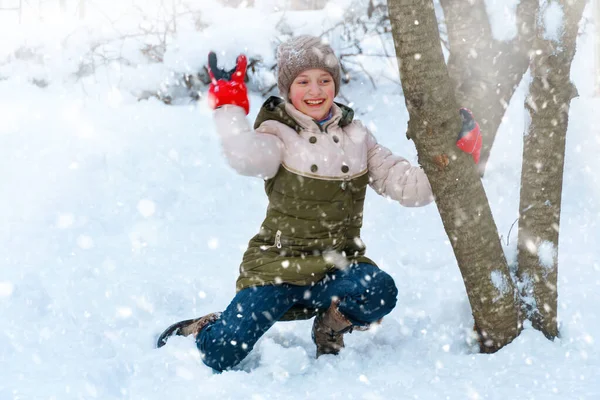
(6, 289)
(503, 18)
(547, 254)
(119, 217)
(525, 287)
(500, 282)
(146, 207)
(553, 16)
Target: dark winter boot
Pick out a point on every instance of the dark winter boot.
(186, 328)
(328, 330)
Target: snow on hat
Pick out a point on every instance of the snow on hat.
(301, 53)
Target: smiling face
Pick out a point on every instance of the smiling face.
(312, 93)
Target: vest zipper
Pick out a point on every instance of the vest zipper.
(278, 239)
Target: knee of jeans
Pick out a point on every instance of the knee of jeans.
(220, 354)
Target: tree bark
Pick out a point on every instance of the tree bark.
(461, 200)
(485, 71)
(550, 95)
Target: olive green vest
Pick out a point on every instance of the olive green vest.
(312, 225)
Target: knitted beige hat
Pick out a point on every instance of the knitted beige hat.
(301, 53)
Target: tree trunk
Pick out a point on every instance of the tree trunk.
(486, 72)
(550, 95)
(461, 200)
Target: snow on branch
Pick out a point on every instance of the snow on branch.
(160, 50)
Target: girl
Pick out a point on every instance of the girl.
(308, 258)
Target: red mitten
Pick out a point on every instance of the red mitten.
(227, 87)
(469, 139)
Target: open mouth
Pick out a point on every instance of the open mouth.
(314, 103)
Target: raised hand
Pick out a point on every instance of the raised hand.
(227, 87)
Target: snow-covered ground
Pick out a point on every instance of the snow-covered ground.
(119, 217)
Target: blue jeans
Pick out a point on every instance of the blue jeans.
(366, 294)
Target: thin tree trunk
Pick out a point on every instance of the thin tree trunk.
(486, 72)
(548, 104)
(461, 200)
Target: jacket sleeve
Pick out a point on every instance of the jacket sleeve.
(251, 153)
(394, 177)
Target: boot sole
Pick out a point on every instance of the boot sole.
(173, 330)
